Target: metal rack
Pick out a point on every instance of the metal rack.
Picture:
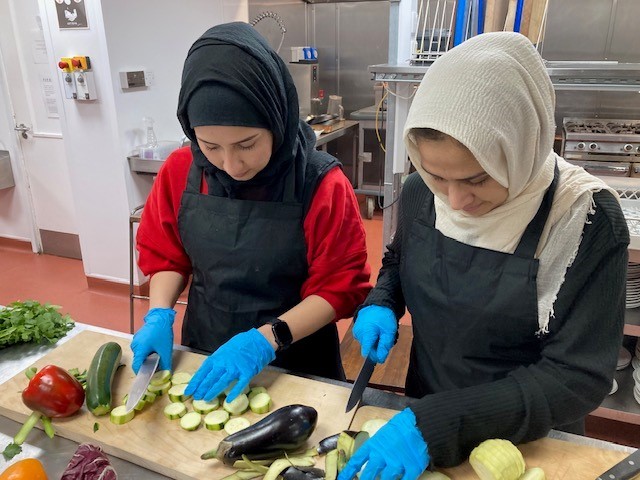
(600, 76)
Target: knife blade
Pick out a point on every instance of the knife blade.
(623, 470)
(361, 382)
(140, 384)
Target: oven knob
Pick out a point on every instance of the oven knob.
(638, 149)
(628, 147)
(581, 146)
(593, 146)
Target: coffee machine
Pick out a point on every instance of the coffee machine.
(305, 77)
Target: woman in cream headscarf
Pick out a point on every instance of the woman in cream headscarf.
(511, 261)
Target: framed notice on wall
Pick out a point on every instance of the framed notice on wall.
(71, 14)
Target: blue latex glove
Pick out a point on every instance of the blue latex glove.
(375, 329)
(156, 335)
(396, 451)
(241, 358)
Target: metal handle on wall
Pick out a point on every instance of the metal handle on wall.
(23, 129)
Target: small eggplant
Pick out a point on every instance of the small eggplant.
(331, 443)
(303, 473)
(285, 429)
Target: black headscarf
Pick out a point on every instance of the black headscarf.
(248, 85)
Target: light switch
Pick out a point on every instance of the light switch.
(132, 79)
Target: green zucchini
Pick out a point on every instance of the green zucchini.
(100, 378)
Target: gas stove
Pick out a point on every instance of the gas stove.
(602, 146)
(603, 136)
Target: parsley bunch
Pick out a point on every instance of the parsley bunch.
(31, 321)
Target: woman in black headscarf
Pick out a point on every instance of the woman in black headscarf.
(268, 227)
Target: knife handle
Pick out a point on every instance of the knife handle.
(623, 470)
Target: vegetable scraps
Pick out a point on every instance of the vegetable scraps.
(31, 321)
(51, 393)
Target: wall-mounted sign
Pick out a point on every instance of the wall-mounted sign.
(71, 14)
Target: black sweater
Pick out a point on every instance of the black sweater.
(577, 359)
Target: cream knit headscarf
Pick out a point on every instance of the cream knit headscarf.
(492, 93)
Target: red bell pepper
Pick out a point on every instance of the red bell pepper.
(54, 393)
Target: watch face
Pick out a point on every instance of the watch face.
(282, 333)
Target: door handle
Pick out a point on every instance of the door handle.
(23, 129)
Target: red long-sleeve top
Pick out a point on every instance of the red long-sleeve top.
(335, 239)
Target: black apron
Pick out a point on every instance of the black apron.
(249, 262)
(474, 311)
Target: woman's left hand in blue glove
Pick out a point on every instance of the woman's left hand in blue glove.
(396, 451)
(241, 358)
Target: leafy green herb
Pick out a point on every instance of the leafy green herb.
(11, 451)
(96, 426)
(31, 321)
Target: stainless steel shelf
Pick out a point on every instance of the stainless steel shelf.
(622, 405)
(597, 76)
(143, 165)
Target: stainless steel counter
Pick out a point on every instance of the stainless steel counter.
(55, 453)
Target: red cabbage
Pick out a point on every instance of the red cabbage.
(89, 463)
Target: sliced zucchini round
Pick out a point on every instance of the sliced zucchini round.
(160, 377)
(256, 390)
(179, 378)
(260, 403)
(176, 393)
(216, 419)
(159, 389)
(175, 410)
(204, 407)
(236, 424)
(239, 405)
(119, 415)
(191, 421)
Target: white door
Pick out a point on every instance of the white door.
(29, 72)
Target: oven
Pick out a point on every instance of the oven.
(603, 147)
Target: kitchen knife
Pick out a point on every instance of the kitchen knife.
(623, 470)
(361, 382)
(141, 382)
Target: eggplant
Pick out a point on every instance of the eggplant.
(331, 443)
(303, 473)
(283, 430)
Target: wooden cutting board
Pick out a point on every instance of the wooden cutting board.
(150, 439)
(560, 460)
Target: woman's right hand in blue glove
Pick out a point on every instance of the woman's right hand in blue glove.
(375, 329)
(396, 451)
(156, 335)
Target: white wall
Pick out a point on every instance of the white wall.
(155, 36)
(99, 134)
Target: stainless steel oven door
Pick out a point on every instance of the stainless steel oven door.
(609, 169)
(598, 165)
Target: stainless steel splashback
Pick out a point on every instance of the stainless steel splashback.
(592, 30)
(349, 37)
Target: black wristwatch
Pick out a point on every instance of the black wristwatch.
(281, 333)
